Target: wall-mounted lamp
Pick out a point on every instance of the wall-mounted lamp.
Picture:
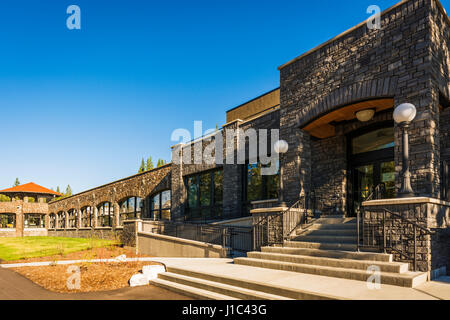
(365, 115)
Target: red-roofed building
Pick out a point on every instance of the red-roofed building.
(26, 214)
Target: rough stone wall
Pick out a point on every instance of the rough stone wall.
(233, 192)
(20, 208)
(141, 185)
(365, 64)
(108, 234)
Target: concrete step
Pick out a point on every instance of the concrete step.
(382, 257)
(392, 267)
(262, 287)
(324, 226)
(190, 291)
(408, 279)
(335, 220)
(328, 232)
(323, 246)
(326, 239)
(220, 288)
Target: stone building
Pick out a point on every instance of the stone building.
(26, 214)
(334, 108)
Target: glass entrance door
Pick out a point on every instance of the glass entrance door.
(367, 177)
(371, 159)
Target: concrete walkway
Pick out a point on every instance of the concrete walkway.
(339, 288)
(14, 286)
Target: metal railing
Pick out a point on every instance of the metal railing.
(378, 192)
(390, 232)
(238, 239)
(271, 228)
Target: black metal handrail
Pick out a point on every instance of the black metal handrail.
(378, 192)
(296, 215)
(381, 234)
(235, 238)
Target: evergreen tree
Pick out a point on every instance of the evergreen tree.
(161, 163)
(58, 190)
(68, 191)
(16, 183)
(142, 167)
(149, 164)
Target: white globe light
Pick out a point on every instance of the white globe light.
(281, 146)
(405, 112)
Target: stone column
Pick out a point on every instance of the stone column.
(178, 187)
(116, 222)
(66, 217)
(95, 224)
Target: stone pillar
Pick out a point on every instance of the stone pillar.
(79, 218)
(116, 222)
(178, 187)
(66, 217)
(19, 218)
(95, 223)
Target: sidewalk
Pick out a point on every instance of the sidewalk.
(339, 288)
(14, 286)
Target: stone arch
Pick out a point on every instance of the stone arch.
(357, 92)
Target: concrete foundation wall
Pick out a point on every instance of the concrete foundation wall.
(165, 246)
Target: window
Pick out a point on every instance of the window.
(105, 214)
(73, 218)
(61, 221)
(130, 208)
(373, 141)
(7, 220)
(160, 205)
(205, 196)
(52, 219)
(261, 187)
(87, 214)
(34, 220)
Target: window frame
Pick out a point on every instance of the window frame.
(101, 214)
(8, 215)
(41, 221)
(123, 216)
(214, 211)
(264, 191)
(86, 213)
(157, 214)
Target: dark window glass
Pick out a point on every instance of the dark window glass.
(261, 187)
(7, 220)
(205, 190)
(218, 187)
(160, 205)
(205, 196)
(193, 192)
(375, 140)
(34, 220)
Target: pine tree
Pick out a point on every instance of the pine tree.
(58, 190)
(161, 163)
(142, 167)
(16, 183)
(68, 191)
(149, 164)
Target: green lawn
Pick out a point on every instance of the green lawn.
(32, 247)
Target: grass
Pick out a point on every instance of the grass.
(12, 249)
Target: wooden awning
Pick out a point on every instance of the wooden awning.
(323, 127)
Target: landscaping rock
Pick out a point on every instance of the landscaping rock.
(151, 272)
(138, 280)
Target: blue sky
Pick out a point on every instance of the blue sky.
(82, 107)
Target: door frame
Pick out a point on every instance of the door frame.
(373, 157)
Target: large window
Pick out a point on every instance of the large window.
(374, 141)
(130, 208)
(105, 214)
(205, 196)
(7, 220)
(87, 216)
(159, 204)
(73, 218)
(34, 220)
(61, 220)
(261, 187)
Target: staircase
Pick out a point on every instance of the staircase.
(326, 247)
